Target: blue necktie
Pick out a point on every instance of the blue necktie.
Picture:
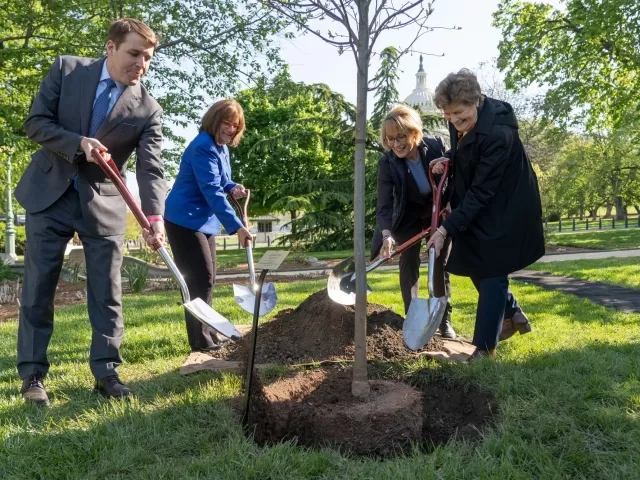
(98, 114)
(101, 108)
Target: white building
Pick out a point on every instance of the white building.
(422, 99)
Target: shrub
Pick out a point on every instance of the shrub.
(21, 238)
(137, 275)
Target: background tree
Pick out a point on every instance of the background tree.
(207, 48)
(296, 152)
(386, 79)
(587, 54)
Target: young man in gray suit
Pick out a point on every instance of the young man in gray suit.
(83, 104)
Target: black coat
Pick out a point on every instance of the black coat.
(393, 188)
(496, 222)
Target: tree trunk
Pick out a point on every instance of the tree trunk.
(608, 213)
(637, 207)
(593, 213)
(360, 384)
(294, 215)
(621, 210)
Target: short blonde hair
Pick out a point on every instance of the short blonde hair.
(222, 110)
(405, 120)
(119, 30)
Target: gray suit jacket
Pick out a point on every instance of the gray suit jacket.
(60, 116)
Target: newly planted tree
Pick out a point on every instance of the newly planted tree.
(355, 27)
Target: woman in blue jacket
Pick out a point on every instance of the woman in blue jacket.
(197, 206)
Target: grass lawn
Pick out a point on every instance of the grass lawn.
(568, 396)
(599, 239)
(615, 271)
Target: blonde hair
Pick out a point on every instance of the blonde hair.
(220, 111)
(119, 30)
(404, 120)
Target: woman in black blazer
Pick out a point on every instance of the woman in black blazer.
(496, 221)
(405, 201)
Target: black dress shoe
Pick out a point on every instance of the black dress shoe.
(33, 389)
(112, 387)
(446, 329)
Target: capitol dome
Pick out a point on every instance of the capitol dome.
(421, 97)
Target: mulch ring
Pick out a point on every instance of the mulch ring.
(316, 409)
(322, 330)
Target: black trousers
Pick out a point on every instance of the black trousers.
(495, 303)
(195, 256)
(410, 265)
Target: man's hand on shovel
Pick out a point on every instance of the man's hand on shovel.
(157, 225)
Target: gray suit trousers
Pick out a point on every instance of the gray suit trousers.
(48, 232)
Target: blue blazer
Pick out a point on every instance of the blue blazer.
(197, 200)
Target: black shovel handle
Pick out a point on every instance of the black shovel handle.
(252, 350)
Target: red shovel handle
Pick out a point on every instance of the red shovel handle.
(243, 210)
(437, 193)
(111, 170)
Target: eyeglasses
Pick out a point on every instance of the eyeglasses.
(398, 138)
(228, 124)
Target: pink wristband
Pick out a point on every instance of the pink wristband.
(155, 218)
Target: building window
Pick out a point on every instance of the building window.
(265, 227)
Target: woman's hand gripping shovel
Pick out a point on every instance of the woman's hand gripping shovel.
(341, 285)
(425, 315)
(197, 307)
(246, 296)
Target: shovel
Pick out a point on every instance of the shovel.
(246, 296)
(341, 284)
(197, 307)
(425, 315)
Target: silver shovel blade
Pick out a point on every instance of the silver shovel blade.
(208, 316)
(422, 321)
(341, 284)
(247, 299)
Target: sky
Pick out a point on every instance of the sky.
(311, 60)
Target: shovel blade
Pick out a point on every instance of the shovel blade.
(422, 321)
(246, 299)
(208, 316)
(341, 285)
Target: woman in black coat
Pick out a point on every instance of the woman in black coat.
(405, 201)
(496, 221)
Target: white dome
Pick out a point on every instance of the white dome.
(422, 97)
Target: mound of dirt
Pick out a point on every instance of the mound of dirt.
(316, 409)
(320, 329)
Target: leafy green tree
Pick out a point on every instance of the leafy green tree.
(587, 54)
(385, 82)
(296, 151)
(207, 48)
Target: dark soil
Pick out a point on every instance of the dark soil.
(320, 329)
(316, 408)
(66, 294)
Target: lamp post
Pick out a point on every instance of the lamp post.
(9, 232)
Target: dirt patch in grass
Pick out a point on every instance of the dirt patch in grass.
(320, 329)
(66, 294)
(316, 409)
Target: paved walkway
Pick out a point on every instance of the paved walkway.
(554, 257)
(621, 298)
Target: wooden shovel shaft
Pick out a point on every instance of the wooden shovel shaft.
(111, 170)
